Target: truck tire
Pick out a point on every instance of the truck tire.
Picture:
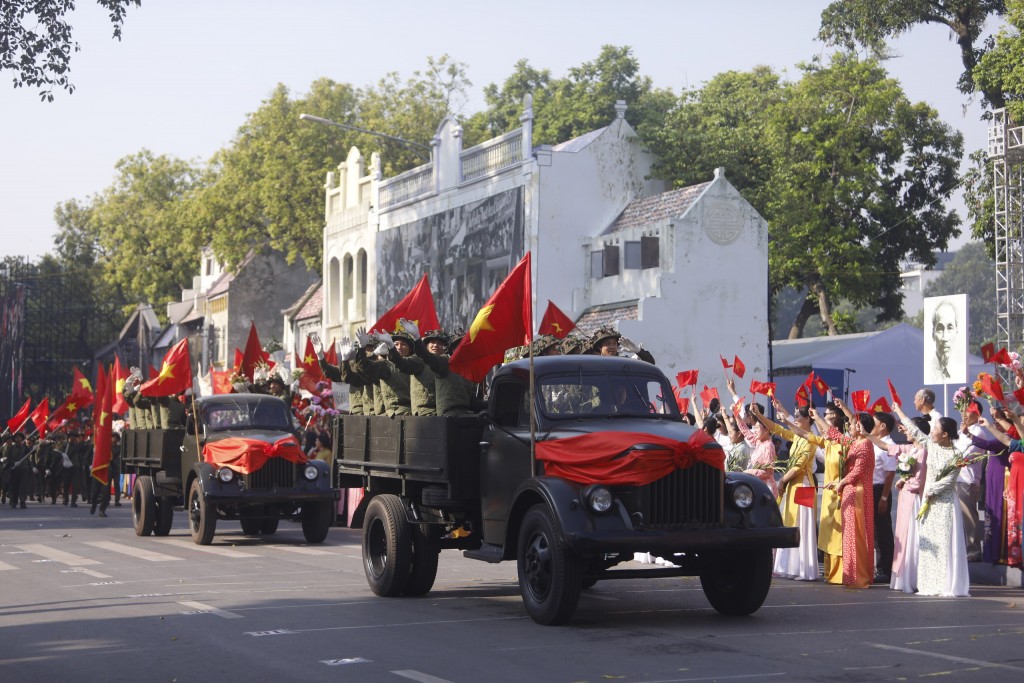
(268, 527)
(202, 516)
(738, 583)
(426, 547)
(143, 506)
(316, 521)
(387, 546)
(164, 515)
(550, 575)
(251, 527)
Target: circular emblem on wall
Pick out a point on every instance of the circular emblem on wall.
(722, 222)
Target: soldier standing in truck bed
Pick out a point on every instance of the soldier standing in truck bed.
(392, 385)
(453, 393)
(360, 389)
(422, 385)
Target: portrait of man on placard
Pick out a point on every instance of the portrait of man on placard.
(945, 339)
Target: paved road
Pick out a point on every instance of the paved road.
(83, 598)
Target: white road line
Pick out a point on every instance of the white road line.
(57, 555)
(133, 551)
(212, 610)
(301, 550)
(4, 566)
(420, 676)
(213, 550)
(950, 658)
(720, 678)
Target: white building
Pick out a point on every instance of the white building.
(684, 272)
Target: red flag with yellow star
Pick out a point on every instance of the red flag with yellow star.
(555, 322)
(102, 426)
(175, 373)
(81, 390)
(506, 320)
(118, 375)
(311, 368)
(417, 306)
(40, 415)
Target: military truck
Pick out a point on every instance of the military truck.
(237, 458)
(475, 484)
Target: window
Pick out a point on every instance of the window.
(604, 263)
(597, 264)
(649, 256)
(512, 405)
(631, 255)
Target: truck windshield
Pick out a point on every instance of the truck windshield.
(575, 395)
(268, 414)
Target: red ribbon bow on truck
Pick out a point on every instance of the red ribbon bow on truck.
(248, 455)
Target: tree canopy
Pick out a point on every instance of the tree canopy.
(36, 43)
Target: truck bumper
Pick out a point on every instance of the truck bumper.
(272, 496)
(680, 541)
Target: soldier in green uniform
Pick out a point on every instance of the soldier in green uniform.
(453, 393)
(392, 386)
(422, 389)
(345, 372)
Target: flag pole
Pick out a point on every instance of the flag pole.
(533, 396)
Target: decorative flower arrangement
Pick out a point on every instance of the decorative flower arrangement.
(963, 396)
(959, 460)
(272, 346)
(906, 463)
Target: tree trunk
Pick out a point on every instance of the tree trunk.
(806, 310)
(823, 308)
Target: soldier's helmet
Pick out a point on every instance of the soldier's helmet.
(600, 335)
(457, 334)
(573, 344)
(544, 343)
(436, 335)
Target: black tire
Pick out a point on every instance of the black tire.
(143, 506)
(268, 527)
(426, 547)
(738, 583)
(387, 546)
(164, 515)
(202, 516)
(251, 526)
(550, 577)
(316, 521)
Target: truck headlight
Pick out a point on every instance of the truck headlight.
(742, 496)
(599, 499)
(225, 474)
(311, 472)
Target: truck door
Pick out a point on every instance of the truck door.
(506, 460)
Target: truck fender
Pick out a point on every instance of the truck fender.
(204, 472)
(322, 482)
(764, 513)
(568, 509)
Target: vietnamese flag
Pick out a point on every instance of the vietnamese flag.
(725, 363)
(1019, 395)
(880, 406)
(68, 409)
(555, 322)
(40, 415)
(1001, 357)
(221, 381)
(803, 396)
(766, 388)
(860, 400)
(102, 421)
(118, 375)
(81, 390)
(238, 359)
(417, 306)
(18, 421)
(821, 385)
(681, 402)
(253, 355)
(991, 386)
(707, 395)
(687, 378)
(738, 367)
(331, 353)
(506, 320)
(175, 373)
(987, 351)
(311, 373)
(892, 393)
(805, 496)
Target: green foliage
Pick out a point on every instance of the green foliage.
(972, 272)
(980, 201)
(1001, 68)
(869, 23)
(36, 44)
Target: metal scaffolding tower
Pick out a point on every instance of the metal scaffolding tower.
(1006, 151)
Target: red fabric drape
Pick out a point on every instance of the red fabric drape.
(248, 455)
(606, 458)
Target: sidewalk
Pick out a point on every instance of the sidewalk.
(985, 574)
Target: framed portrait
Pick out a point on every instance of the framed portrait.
(945, 339)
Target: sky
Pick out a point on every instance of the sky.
(186, 73)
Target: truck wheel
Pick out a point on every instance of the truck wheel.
(268, 527)
(143, 506)
(426, 546)
(550, 577)
(164, 515)
(387, 546)
(316, 521)
(202, 516)
(738, 583)
(251, 527)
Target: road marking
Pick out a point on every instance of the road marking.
(69, 559)
(90, 572)
(213, 550)
(203, 609)
(4, 566)
(341, 662)
(301, 550)
(420, 676)
(949, 658)
(133, 551)
(276, 632)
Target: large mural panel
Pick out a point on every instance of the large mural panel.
(466, 251)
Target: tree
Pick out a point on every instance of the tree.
(35, 41)
(851, 176)
(972, 272)
(1001, 68)
(869, 23)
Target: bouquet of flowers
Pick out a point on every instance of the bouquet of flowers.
(905, 464)
(735, 462)
(963, 396)
(239, 382)
(272, 346)
(959, 460)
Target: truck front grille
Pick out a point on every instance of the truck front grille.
(690, 497)
(275, 472)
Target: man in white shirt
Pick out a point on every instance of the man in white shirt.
(885, 472)
(968, 483)
(924, 403)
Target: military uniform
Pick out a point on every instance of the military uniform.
(392, 387)
(20, 471)
(453, 393)
(422, 385)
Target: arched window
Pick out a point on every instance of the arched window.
(348, 277)
(361, 291)
(333, 298)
